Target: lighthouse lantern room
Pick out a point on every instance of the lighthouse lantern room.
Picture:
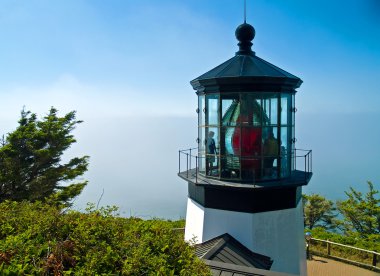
(245, 178)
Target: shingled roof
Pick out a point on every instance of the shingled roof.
(227, 249)
(223, 269)
(227, 256)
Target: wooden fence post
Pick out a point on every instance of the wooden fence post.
(374, 259)
(328, 248)
(329, 244)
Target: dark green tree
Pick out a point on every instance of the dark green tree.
(361, 212)
(318, 212)
(30, 159)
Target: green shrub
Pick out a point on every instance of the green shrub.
(36, 238)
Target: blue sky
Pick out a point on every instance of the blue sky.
(123, 61)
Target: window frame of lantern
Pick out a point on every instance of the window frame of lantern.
(266, 101)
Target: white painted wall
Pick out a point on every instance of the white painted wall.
(194, 222)
(277, 234)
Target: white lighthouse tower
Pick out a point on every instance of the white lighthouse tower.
(245, 178)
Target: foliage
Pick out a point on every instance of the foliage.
(371, 242)
(41, 239)
(30, 159)
(361, 212)
(360, 226)
(318, 212)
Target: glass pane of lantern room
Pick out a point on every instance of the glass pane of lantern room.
(201, 110)
(202, 140)
(212, 140)
(212, 151)
(251, 153)
(230, 110)
(285, 151)
(284, 140)
(251, 110)
(271, 168)
(270, 107)
(251, 142)
(285, 110)
(230, 141)
(285, 165)
(270, 151)
(230, 167)
(293, 110)
(212, 103)
(202, 163)
(202, 149)
(286, 133)
(230, 152)
(292, 137)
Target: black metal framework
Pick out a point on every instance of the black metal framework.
(247, 136)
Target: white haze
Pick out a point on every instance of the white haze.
(135, 159)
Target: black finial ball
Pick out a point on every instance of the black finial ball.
(245, 32)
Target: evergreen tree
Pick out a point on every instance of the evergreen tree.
(318, 212)
(361, 212)
(30, 159)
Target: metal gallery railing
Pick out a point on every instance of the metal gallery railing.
(189, 162)
(306, 157)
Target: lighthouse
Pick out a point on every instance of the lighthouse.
(245, 177)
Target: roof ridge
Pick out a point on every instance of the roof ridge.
(276, 67)
(229, 250)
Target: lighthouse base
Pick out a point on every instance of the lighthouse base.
(277, 234)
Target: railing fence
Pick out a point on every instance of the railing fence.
(189, 161)
(348, 253)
